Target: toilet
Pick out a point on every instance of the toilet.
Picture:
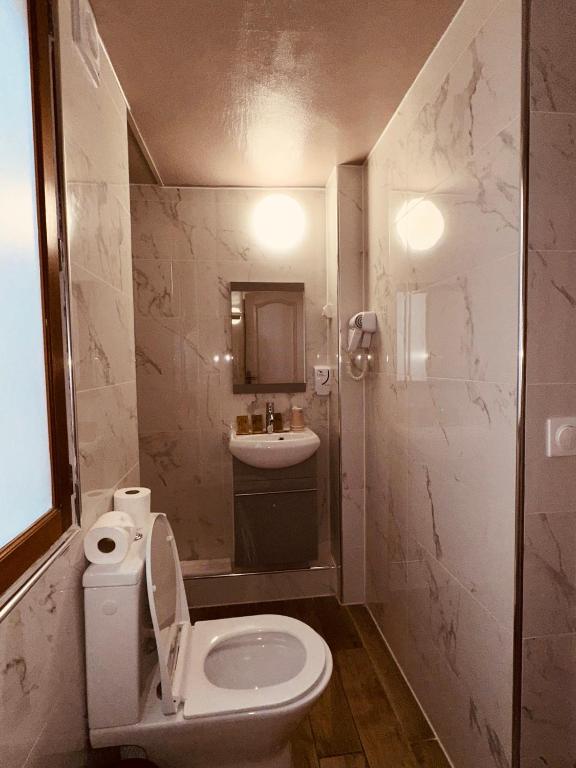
(221, 694)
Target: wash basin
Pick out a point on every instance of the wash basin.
(280, 449)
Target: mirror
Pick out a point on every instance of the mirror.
(267, 321)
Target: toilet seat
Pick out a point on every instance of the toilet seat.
(202, 697)
(183, 649)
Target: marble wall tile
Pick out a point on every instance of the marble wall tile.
(479, 206)
(95, 132)
(99, 233)
(548, 691)
(472, 15)
(550, 482)
(107, 434)
(103, 332)
(191, 482)
(157, 291)
(462, 655)
(552, 182)
(349, 245)
(548, 710)
(42, 668)
(42, 691)
(332, 343)
(445, 439)
(189, 244)
(551, 313)
(549, 573)
(552, 57)
(461, 319)
(471, 104)
(440, 398)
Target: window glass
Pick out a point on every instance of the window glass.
(25, 471)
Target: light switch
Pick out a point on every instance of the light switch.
(561, 436)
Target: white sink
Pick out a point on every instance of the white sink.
(280, 449)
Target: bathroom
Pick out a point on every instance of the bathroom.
(299, 283)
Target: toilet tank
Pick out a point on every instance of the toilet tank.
(118, 649)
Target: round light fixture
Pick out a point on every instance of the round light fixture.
(278, 222)
(420, 224)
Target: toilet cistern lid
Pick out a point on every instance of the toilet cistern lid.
(168, 609)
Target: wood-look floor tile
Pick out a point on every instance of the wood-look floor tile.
(429, 754)
(332, 722)
(303, 750)
(282, 607)
(336, 626)
(344, 761)
(408, 712)
(304, 610)
(378, 727)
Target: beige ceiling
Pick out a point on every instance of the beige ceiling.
(265, 92)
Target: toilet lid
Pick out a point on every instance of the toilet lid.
(168, 606)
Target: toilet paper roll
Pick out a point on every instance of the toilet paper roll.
(136, 502)
(109, 539)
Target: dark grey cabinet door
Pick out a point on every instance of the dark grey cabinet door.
(276, 529)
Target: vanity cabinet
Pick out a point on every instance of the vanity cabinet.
(275, 516)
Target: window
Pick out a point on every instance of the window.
(35, 484)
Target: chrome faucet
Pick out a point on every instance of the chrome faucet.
(269, 418)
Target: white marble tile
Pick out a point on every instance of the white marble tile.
(445, 439)
(549, 578)
(347, 274)
(461, 318)
(440, 398)
(549, 574)
(480, 208)
(457, 658)
(548, 691)
(95, 127)
(187, 474)
(552, 182)
(352, 452)
(550, 482)
(41, 650)
(107, 435)
(471, 16)
(102, 330)
(551, 313)
(471, 105)
(99, 232)
(152, 235)
(552, 57)
(156, 292)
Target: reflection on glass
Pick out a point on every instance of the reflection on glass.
(25, 476)
(420, 224)
(411, 348)
(267, 328)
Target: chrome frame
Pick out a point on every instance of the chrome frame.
(517, 639)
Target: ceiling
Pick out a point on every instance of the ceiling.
(265, 92)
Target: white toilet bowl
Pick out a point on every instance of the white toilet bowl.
(225, 694)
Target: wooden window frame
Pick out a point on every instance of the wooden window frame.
(22, 552)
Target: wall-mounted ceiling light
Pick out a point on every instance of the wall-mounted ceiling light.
(420, 224)
(278, 222)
